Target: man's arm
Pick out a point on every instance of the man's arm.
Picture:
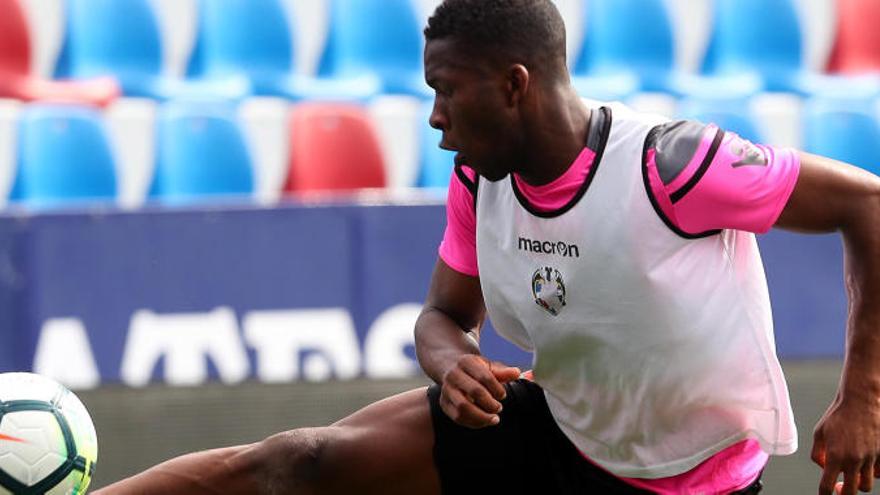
(832, 196)
(447, 345)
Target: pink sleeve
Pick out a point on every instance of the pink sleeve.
(459, 246)
(729, 183)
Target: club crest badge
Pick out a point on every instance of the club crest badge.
(748, 154)
(548, 289)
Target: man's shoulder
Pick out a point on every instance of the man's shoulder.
(676, 145)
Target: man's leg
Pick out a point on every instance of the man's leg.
(385, 448)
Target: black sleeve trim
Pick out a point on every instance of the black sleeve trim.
(681, 233)
(704, 166)
(472, 185)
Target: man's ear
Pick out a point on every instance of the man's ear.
(517, 84)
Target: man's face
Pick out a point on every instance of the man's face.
(470, 107)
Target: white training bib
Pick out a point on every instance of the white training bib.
(655, 351)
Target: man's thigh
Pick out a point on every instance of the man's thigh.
(384, 448)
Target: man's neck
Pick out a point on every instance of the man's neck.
(557, 135)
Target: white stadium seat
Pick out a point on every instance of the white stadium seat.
(177, 22)
(397, 120)
(46, 22)
(9, 110)
(131, 124)
(265, 125)
(309, 21)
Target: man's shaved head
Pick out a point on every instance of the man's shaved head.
(530, 32)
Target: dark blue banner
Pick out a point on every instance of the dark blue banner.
(288, 293)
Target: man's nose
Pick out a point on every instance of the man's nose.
(438, 119)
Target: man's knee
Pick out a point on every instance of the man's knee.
(294, 461)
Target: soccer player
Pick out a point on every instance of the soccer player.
(619, 247)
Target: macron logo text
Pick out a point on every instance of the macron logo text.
(548, 247)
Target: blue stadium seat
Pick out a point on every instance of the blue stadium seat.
(64, 158)
(631, 37)
(436, 164)
(761, 37)
(121, 38)
(730, 114)
(377, 38)
(629, 47)
(843, 129)
(200, 154)
(241, 36)
(251, 40)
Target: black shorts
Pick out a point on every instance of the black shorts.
(526, 454)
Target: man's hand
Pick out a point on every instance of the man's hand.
(471, 390)
(847, 440)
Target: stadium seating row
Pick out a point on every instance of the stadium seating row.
(64, 155)
(243, 47)
(630, 51)
(249, 47)
(190, 150)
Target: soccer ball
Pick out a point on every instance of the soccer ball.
(48, 443)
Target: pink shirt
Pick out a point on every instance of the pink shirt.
(724, 183)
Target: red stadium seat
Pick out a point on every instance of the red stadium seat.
(15, 43)
(334, 147)
(16, 79)
(857, 41)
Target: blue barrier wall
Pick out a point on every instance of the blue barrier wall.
(289, 293)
